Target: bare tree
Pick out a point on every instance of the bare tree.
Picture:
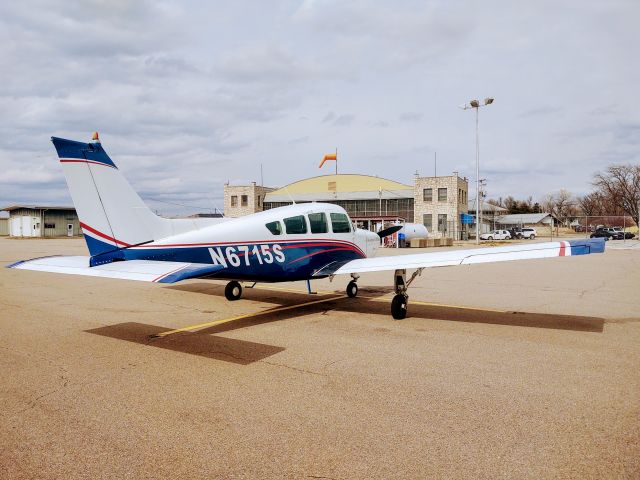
(593, 204)
(620, 185)
(561, 205)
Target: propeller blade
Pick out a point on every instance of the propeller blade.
(389, 231)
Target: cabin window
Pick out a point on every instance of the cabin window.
(318, 223)
(295, 225)
(340, 223)
(275, 227)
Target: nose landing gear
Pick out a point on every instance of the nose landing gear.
(401, 299)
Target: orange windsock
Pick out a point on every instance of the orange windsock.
(328, 156)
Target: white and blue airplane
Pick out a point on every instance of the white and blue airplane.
(126, 240)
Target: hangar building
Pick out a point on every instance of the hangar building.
(42, 221)
(437, 202)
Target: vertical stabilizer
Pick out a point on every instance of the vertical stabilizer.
(112, 214)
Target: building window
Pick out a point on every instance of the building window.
(442, 222)
(244, 200)
(427, 221)
(49, 225)
(258, 200)
(427, 194)
(234, 200)
(442, 194)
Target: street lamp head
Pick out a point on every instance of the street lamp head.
(488, 101)
(474, 103)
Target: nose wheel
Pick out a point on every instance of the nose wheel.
(401, 299)
(399, 306)
(233, 291)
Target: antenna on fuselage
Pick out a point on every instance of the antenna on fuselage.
(290, 196)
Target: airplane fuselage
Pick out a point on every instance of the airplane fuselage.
(282, 244)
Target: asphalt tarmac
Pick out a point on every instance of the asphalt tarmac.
(514, 370)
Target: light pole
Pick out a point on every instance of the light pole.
(476, 104)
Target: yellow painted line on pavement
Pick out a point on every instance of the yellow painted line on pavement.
(200, 326)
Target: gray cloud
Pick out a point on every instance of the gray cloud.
(189, 95)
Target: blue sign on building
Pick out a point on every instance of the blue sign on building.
(466, 219)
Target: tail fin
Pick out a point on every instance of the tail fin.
(111, 213)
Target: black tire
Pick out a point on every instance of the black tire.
(489, 238)
(399, 307)
(352, 289)
(233, 291)
(532, 236)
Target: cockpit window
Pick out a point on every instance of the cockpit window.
(275, 227)
(318, 223)
(340, 223)
(295, 224)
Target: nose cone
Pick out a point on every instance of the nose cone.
(373, 242)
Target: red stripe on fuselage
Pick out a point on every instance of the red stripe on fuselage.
(296, 243)
(562, 249)
(100, 234)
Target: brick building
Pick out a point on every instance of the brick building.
(439, 202)
(242, 200)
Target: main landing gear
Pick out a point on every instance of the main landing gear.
(401, 299)
(352, 286)
(233, 291)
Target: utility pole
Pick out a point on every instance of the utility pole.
(475, 104)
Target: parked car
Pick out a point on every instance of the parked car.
(606, 234)
(496, 235)
(626, 235)
(529, 233)
(516, 233)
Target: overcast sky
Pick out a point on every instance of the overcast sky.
(189, 95)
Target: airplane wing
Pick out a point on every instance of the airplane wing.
(466, 257)
(142, 270)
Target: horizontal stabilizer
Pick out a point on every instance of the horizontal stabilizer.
(141, 270)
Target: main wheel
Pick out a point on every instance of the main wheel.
(399, 307)
(352, 289)
(233, 291)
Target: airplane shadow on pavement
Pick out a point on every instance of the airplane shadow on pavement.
(379, 306)
(205, 343)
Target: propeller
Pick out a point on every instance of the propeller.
(389, 231)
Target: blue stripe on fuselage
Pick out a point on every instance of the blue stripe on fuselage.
(299, 262)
